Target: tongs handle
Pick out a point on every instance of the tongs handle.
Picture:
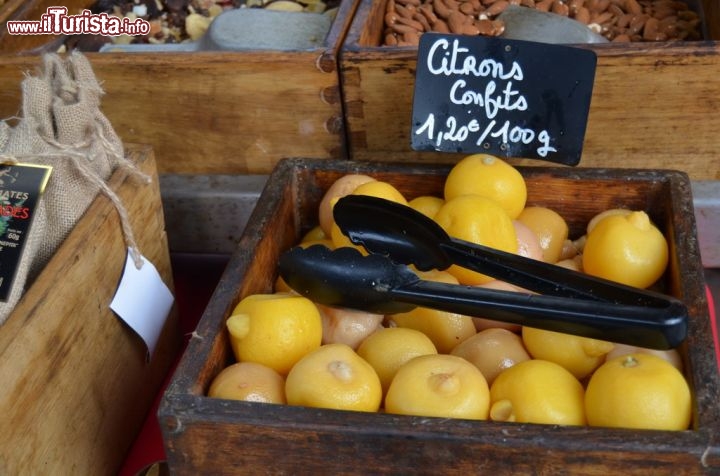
(407, 236)
(545, 278)
(658, 327)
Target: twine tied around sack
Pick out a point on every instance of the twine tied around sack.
(78, 160)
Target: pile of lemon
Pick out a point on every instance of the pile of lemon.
(425, 362)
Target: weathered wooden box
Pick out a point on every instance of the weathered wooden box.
(210, 112)
(213, 436)
(654, 104)
(76, 384)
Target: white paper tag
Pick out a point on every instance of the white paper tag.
(143, 301)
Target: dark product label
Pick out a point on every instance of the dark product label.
(21, 186)
(508, 98)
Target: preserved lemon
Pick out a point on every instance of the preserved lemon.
(626, 248)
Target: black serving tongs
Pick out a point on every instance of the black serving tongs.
(396, 235)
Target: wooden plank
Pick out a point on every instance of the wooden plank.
(76, 386)
(211, 113)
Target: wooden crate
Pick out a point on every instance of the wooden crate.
(207, 112)
(213, 436)
(654, 105)
(76, 385)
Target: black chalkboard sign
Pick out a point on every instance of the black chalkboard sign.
(509, 98)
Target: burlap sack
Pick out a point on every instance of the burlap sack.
(62, 126)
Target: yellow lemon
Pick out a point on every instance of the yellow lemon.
(326, 242)
(671, 355)
(479, 220)
(250, 382)
(640, 391)
(374, 188)
(537, 391)
(314, 234)
(380, 189)
(339, 188)
(439, 385)
(604, 214)
(550, 228)
(626, 248)
(492, 351)
(491, 177)
(334, 376)
(428, 205)
(579, 355)
(338, 240)
(388, 348)
(275, 330)
(445, 329)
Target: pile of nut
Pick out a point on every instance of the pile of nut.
(177, 21)
(616, 20)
